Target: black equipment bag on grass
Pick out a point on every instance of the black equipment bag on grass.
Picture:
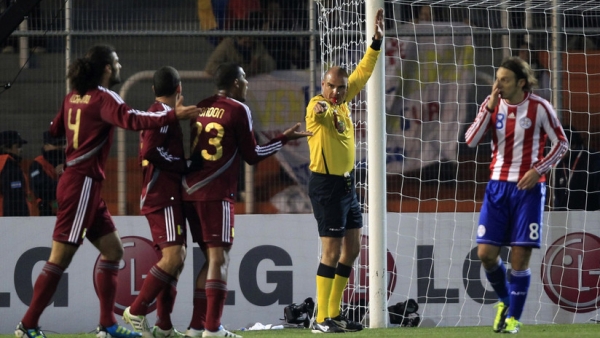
(299, 313)
(405, 313)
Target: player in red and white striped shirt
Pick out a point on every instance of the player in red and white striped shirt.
(511, 214)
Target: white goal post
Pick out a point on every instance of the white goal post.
(378, 278)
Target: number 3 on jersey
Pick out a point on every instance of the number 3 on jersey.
(74, 127)
(213, 141)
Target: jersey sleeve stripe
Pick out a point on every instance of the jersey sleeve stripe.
(269, 149)
(559, 148)
(475, 133)
(148, 113)
(120, 101)
(248, 113)
(112, 94)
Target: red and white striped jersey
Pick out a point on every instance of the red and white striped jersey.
(519, 137)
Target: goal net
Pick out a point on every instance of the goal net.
(440, 62)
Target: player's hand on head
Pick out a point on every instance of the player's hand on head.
(379, 24)
(294, 134)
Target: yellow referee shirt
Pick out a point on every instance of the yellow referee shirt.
(332, 152)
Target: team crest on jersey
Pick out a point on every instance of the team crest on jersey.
(480, 230)
(525, 123)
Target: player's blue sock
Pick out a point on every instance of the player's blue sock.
(497, 277)
(519, 285)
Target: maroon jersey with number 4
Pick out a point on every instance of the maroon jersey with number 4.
(163, 164)
(221, 135)
(88, 123)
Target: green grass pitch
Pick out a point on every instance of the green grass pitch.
(546, 330)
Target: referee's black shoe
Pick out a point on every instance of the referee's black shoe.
(327, 326)
(346, 324)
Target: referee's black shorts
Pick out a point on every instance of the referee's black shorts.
(334, 204)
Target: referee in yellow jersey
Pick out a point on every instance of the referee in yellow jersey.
(331, 184)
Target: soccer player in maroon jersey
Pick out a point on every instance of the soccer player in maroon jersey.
(513, 205)
(87, 118)
(163, 162)
(221, 135)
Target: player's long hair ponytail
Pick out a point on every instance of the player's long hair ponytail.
(86, 73)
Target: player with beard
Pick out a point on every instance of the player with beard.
(87, 119)
(44, 173)
(222, 135)
(513, 204)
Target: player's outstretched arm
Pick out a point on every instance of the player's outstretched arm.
(185, 112)
(294, 134)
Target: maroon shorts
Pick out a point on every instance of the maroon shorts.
(167, 226)
(81, 211)
(211, 222)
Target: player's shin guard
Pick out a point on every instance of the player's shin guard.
(106, 288)
(519, 286)
(325, 276)
(43, 291)
(198, 320)
(497, 278)
(342, 274)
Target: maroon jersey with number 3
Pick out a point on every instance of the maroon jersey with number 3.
(163, 164)
(222, 134)
(88, 123)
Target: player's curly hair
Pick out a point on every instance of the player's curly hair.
(86, 73)
(522, 70)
